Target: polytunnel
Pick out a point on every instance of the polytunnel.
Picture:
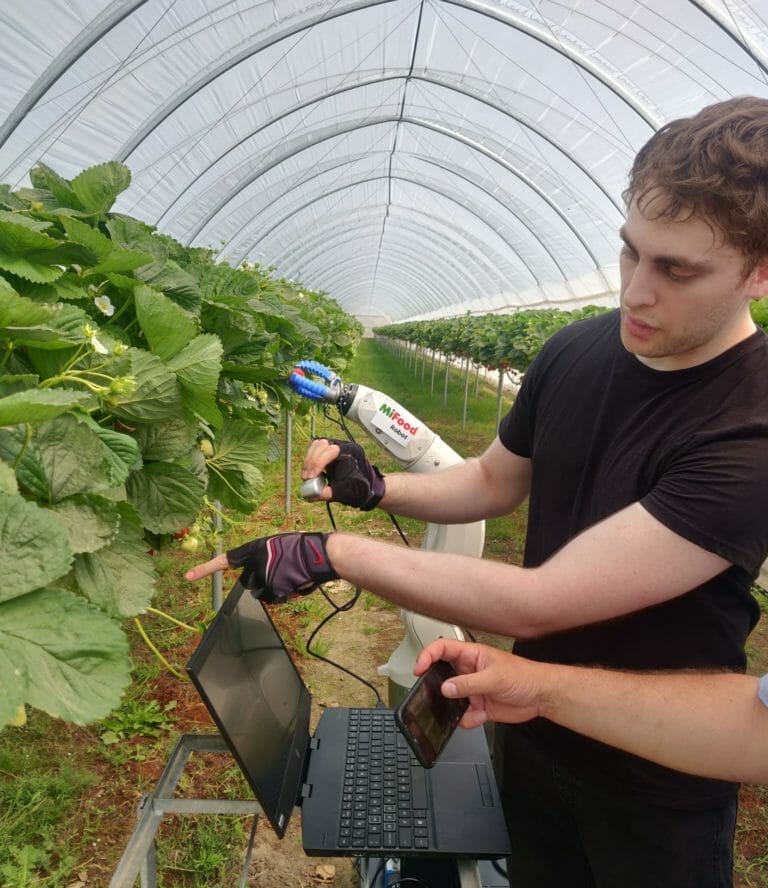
(410, 158)
(199, 200)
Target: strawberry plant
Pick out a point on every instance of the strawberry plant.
(139, 383)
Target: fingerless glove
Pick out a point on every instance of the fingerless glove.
(286, 564)
(354, 481)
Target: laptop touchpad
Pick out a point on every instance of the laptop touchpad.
(469, 782)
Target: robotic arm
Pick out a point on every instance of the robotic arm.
(417, 449)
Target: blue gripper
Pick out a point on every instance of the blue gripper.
(309, 388)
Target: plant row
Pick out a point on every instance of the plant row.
(498, 342)
(140, 383)
(503, 342)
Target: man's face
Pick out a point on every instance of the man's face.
(684, 298)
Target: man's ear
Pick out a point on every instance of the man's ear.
(757, 283)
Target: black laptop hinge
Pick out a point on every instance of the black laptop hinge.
(305, 790)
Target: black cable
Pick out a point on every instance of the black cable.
(398, 528)
(407, 880)
(348, 605)
(501, 870)
(344, 426)
(339, 422)
(330, 515)
(377, 873)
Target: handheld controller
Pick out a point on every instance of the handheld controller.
(312, 488)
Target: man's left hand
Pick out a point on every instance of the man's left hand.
(275, 567)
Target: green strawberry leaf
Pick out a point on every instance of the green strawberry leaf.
(59, 189)
(119, 578)
(8, 483)
(62, 655)
(167, 327)
(71, 456)
(156, 395)
(90, 521)
(98, 187)
(34, 549)
(235, 488)
(36, 405)
(19, 311)
(168, 440)
(198, 368)
(166, 496)
(120, 451)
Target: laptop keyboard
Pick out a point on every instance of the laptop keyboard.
(384, 800)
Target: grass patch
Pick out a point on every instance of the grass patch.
(41, 784)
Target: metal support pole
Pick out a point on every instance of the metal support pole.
(499, 396)
(148, 873)
(217, 580)
(432, 387)
(445, 390)
(466, 393)
(288, 452)
(248, 854)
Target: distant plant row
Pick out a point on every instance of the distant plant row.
(495, 341)
(503, 342)
(139, 384)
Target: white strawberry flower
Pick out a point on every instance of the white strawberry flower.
(104, 305)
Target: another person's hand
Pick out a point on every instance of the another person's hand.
(352, 480)
(500, 686)
(275, 567)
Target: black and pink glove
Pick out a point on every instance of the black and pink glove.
(355, 482)
(276, 567)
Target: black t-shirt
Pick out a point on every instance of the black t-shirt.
(604, 431)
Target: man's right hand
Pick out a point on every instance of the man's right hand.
(500, 686)
(352, 480)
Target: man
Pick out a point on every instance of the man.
(641, 440)
(715, 725)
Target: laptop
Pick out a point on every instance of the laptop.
(261, 706)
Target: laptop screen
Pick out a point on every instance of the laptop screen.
(255, 695)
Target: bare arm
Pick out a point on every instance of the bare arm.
(494, 484)
(625, 563)
(711, 725)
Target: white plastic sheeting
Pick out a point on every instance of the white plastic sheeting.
(411, 158)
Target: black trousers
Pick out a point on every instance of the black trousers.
(566, 835)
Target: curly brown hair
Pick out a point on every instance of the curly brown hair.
(713, 165)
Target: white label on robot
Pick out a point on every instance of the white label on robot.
(395, 423)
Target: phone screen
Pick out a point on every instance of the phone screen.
(427, 718)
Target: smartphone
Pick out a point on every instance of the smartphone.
(426, 718)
